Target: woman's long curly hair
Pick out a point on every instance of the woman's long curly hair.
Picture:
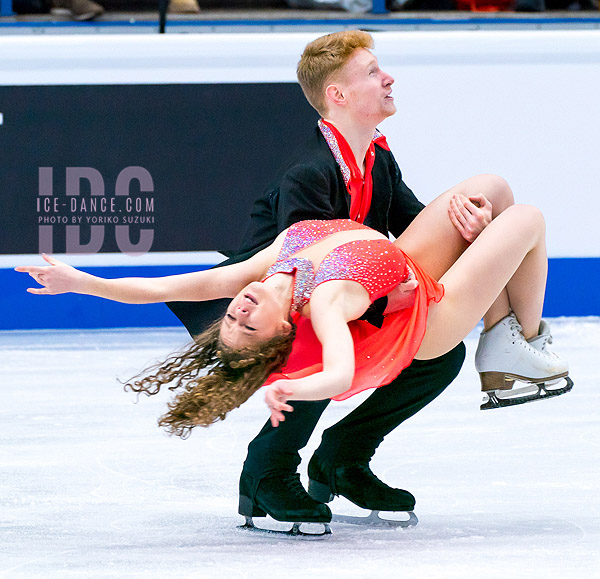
(231, 377)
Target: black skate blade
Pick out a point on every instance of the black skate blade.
(375, 520)
(301, 530)
(503, 398)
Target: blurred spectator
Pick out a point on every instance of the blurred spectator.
(572, 4)
(77, 9)
(31, 6)
(184, 7)
(89, 9)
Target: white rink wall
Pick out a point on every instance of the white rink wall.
(521, 104)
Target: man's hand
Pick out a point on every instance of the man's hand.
(276, 398)
(470, 215)
(403, 295)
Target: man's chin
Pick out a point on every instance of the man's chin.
(390, 112)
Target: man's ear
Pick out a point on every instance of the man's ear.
(335, 94)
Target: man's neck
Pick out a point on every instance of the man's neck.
(359, 138)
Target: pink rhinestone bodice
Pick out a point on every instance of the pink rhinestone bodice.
(377, 264)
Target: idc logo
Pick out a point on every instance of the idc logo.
(70, 209)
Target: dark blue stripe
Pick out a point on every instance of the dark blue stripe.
(21, 310)
(572, 291)
(352, 22)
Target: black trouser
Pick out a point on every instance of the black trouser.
(356, 437)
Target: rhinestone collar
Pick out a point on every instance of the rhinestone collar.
(304, 278)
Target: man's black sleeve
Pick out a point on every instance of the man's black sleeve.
(305, 192)
(404, 206)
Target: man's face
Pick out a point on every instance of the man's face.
(366, 87)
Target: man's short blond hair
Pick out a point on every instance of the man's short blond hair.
(324, 57)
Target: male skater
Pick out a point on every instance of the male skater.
(341, 79)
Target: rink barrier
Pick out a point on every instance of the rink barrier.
(519, 104)
(383, 23)
(571, 291)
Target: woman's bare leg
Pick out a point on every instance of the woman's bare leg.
(509, 253)
(500, 195)
(495, 188)
(431, 239)
(445, 244)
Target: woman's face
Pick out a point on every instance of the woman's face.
(254, 316)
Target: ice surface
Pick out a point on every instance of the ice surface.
(90, 487)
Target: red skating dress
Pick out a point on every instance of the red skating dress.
(379, 266)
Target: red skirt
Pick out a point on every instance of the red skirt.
(380, 353)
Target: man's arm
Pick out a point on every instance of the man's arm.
(403, 295)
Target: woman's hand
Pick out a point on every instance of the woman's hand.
(470, 215)
(276, 399)
(403, 295)
(56, 278)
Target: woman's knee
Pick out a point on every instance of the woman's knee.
(498, 191)
(493, 187)
(528, 217)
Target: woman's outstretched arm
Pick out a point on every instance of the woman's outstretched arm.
(58, 278)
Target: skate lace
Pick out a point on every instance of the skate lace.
(547, 340)
(515, 328)
(517, 334)
(293, 484)
(369, 476)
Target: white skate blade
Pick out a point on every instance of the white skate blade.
(388, 520)
(269, 526)
(551, 385)
(522, 390)
(348, 513)
(526, 393)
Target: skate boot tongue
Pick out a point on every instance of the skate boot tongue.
(543, 338)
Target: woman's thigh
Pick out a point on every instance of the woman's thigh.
(431, 239)
(473, 283)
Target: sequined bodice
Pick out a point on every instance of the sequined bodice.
(376, 264)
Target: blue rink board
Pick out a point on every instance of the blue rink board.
(572, 290)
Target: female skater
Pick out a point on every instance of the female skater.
(502, 272)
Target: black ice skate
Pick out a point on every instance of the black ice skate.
(284, 499)
(360, 486)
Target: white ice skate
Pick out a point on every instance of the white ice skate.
(504, 357)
